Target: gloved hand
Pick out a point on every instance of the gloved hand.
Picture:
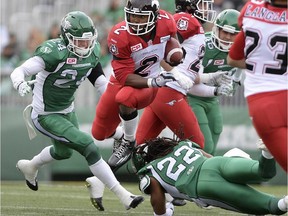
(161, 80)
(25, 87)
(224, 89)
(215, 79)
(235, 85)
(184, 81)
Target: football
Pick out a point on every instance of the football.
(173, 52)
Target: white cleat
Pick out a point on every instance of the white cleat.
(132, 201)
(286, 202)
(96, 189)
(30, 173)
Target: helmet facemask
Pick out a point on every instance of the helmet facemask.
(144, 11)
(139, 28)
(75, 44)
(226, 21)
(79, 33)
(204, 11)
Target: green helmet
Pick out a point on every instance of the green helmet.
(227, 20)
(78, 33)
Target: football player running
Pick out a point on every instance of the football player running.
(59, 67)
(137, 45)
(191, 178)
(203, 98)
(261, 49)
(170, 107)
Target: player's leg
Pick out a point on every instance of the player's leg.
(215, 122)
(199, 108)
(271, 126)
(49, 126)
(214, 189)
(150, 126)
(106, 118)
(172, 108)
(129, 100)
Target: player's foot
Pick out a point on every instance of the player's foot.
(178, 202)
(286, 202)
(121, 155)
(95, 188)
(132, 201)
(30, 173)
(116, 144)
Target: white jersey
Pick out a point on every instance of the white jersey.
(266, 33)
(191, 34)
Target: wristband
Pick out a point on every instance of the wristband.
(149, 82)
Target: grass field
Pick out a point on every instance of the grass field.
(71, 198)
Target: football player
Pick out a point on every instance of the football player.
(59, 66)
(204, 99)
(137, 46)
(261, 49)
(185, 171)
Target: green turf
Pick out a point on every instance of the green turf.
(71, 198)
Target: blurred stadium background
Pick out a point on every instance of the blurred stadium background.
(25, 24)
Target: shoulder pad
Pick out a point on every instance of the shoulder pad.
(52, 51)
(144, 184)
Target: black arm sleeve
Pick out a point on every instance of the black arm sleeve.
(95, 73)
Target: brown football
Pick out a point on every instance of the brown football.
(173, 52)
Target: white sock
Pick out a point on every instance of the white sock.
(282, 204)
(267, 154)
(122, 194)
(118, 133)
(104, 173)
(42, 158)
(129, 128)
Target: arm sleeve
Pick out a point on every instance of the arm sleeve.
(202, 90)
(30, 67)
(98, 79)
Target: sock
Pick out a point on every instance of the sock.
(130, 126)
(118, 133)
(42, 158)
(282, 205)
(122, 194)
(104, 173)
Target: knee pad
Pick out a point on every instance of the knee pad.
(91, 153)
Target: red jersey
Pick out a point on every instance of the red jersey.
(134, 54)
(263, 42)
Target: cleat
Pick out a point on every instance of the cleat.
(121, 155)
(97, 203)
(116, 144)
(286, 202)
(178, 202)
(96, 189)
(30, 173)
(136, 200)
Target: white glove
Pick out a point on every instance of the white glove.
(184, 81)
(224, 89)
(169, 210)
(161, 80)
(215, 79)
(24, 87)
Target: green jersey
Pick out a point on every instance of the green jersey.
(177, 171)
(214, 60)
(62, 74)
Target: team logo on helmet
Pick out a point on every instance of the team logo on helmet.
(66, 24)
